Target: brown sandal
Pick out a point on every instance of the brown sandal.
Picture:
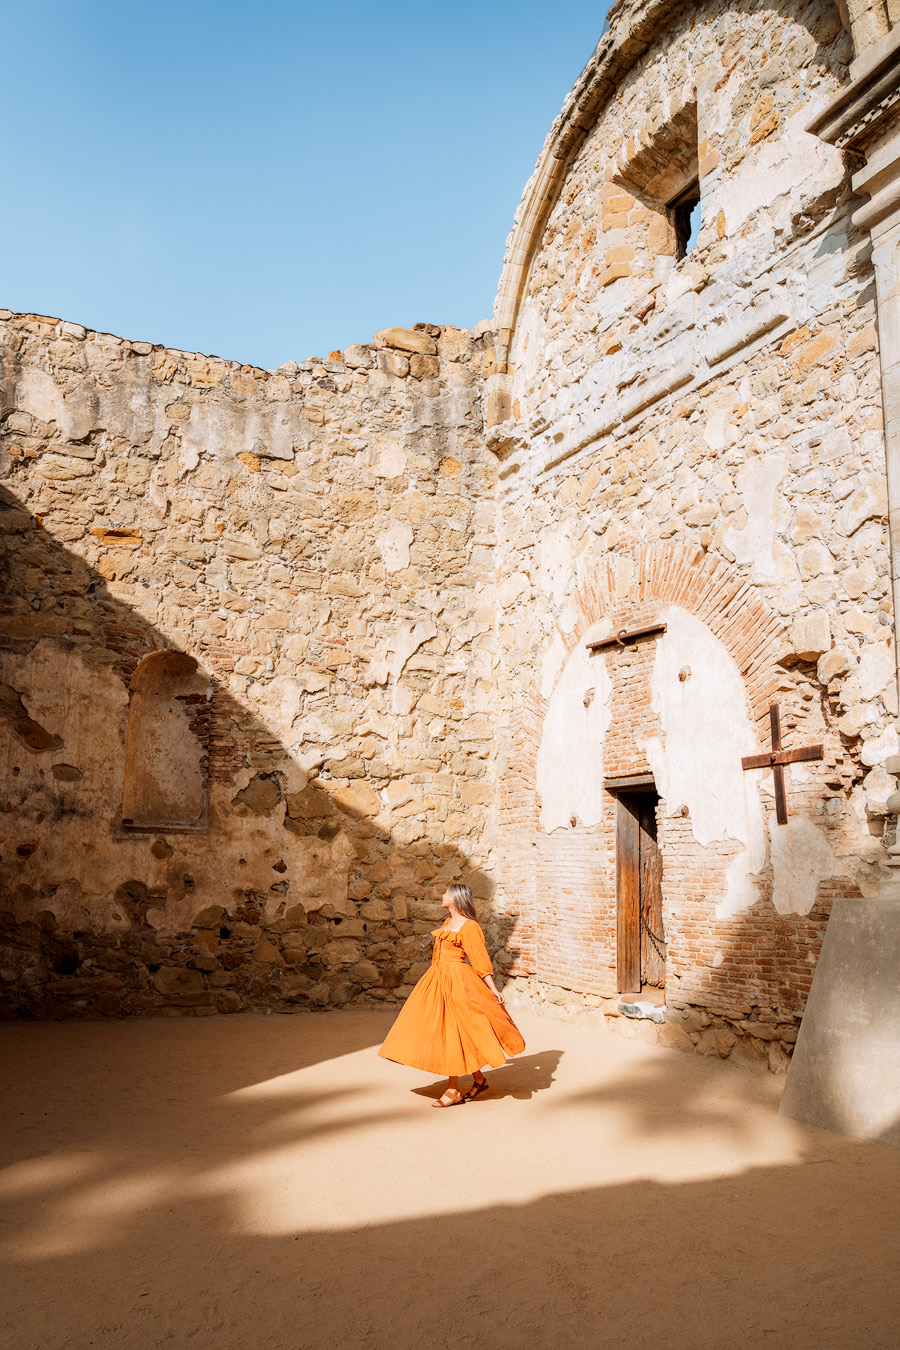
(476, 1090)
(457, 1102)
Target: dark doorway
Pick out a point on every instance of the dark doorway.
(640, 938)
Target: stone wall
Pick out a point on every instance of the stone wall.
(696, 440)
(286, 652)
(247, 668)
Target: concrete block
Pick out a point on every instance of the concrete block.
(845, 1072)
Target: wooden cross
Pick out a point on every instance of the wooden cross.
(776, 761)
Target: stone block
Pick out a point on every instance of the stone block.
(811, 635)
(424, 367)
(177, 980)
(406, 340)
(341, 952)
(266, 953)
(845, 1071)
(615, 273)
(358, 798)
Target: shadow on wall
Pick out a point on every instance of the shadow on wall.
(256, 886)
(219, 1211)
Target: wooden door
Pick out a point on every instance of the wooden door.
(653, 949)
(628, 896)
(640, 938)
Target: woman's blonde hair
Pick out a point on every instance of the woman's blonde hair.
(462, 898)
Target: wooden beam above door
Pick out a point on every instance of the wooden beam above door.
(629, 780)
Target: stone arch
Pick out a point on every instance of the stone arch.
(626, 589)
(631, 33)
(658, 575)
(167, 745)
(704, 585)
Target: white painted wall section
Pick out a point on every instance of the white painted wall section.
(706, 729)
(570, 758)
(801, 858)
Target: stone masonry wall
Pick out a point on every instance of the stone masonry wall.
(696, 440)
(313, 546)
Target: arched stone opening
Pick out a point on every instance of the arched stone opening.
(167, 745)
(648, 739)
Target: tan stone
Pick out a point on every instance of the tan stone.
(341, 952)
(660, 237)
(406, 340)
(358, 798)
(614, 273)
(765, 129)
(424, 367)
(811, 635)
(814, 351)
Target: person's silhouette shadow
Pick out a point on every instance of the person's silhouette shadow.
(521, 1077)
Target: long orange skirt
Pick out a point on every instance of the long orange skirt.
(451, 1023)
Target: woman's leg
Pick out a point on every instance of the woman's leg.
(479, 1085)
(452, 1094)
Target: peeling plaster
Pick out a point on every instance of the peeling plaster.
(570, 759)
(801, 858)
(754, 545)
(696, 763)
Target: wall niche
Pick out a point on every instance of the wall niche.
(167, 745)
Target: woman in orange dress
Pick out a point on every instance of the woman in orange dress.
(454, 1020)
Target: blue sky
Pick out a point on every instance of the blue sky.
(268, 183)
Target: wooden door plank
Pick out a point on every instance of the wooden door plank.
(653, 966)
(628, 899)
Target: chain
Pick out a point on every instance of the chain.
(658, 942)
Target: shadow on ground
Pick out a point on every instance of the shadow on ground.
(178, 1184)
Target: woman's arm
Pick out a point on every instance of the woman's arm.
(489, 981)
(476, 951)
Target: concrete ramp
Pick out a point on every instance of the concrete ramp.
(845, 1073)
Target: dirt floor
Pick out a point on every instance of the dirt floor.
(267, 1181)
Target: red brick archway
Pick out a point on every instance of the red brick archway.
(628, 589)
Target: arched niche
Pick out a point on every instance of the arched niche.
(166, 745)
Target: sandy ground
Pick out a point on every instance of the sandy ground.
(269, 1182)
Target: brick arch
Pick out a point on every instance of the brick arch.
(664, 573)
(629, 588)
(727, 603)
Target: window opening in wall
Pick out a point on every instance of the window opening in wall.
(686, 220)
(662, 171)
(166, 745)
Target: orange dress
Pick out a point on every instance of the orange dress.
(451, 1023)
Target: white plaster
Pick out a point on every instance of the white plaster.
(556, 563)
(398, 647)
(774, 167)
(552, 664)
(570, 758)
(568, 618)
(513, 589)
(879, 748)
(530, 358)
(38, 393)
(754, 545)
(394, 544)
(706, 729)
(877, 786)
(875, 670)
(390, 457)
(801, 858)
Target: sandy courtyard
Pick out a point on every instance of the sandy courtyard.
(267, 1181)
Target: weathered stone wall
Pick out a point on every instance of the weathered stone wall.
(286, 652)
(309, 768)
(693, 440)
